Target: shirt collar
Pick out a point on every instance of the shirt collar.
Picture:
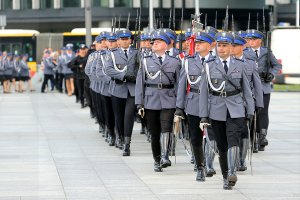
(125, 49)
(162, 56)
(228, 61)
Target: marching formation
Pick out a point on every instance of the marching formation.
(14, 71)
(213, 89)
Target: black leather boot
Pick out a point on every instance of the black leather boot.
(112, 138)
(224, 169)
(232, 155)
(157, 166)
(106, 134)
(210, 149)
(262, 140)
(101, 129)
(199, 162)
(126, 146)
(243, 154)
(164, 145)
(143, 129)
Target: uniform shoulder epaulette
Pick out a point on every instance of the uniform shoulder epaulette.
(115, 49)
(239, 59)
(210, 60)
(147, 56)
(250, 59)
(190, 56)
(103, 52)
(172, 56)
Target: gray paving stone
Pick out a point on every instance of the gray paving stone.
(51, 149)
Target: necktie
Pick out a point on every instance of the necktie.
(225, 66)
(160, 59)
(125, 52)
(202, 60)
(168, 52)
(256, 52)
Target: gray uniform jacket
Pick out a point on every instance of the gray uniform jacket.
(262, 62)
(190, 101)
(49, 66)
(254, 81)
(102, 77)
(59, 66)
(118, 88)
(8, 67)
(24, 69)
(155, 98)
(216, 107)
(90, 70)
(1, 66)
(65, 59)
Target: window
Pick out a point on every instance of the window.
(26, 4)
(145, 4)
(100, 3)
(123, 3)
(6, 4)
(46, 4)
(70, 3)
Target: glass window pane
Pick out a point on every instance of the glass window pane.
(71, 3)
(101, 3)
(123, 3)
(46, 3)
(145, 4)
(26, 4)
(6, 4)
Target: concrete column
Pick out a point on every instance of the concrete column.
(88, 22)
(111, 4)
(16, 4)
(35, 4)
(57, 4)
(136, 3)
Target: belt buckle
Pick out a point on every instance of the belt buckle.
(198, 91)
(223, 94)
(159, 86)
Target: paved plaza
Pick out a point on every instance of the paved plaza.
(51, 149)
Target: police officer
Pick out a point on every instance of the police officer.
(122, 67)
(105, 95)
(267, 72)
(223, 89)
(49, 65)
(212, 32)
(191, 73)
(238, 46)
(68, 74)
(59, 74)
(95, 87)
(24, 71)
(145, 50)
(172, 51)
(78, 64)
(156, 89)
(8, 71)
(1, 68)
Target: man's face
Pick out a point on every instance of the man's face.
(98, 46)
(124, 42)
(254, 42)
(112, 44)
(82, 52)
(146, 44)
(103, 44)
(237, 50)
(184, 45)
(223, 50)
(159, 45)
(69, 51)
(202, 47)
